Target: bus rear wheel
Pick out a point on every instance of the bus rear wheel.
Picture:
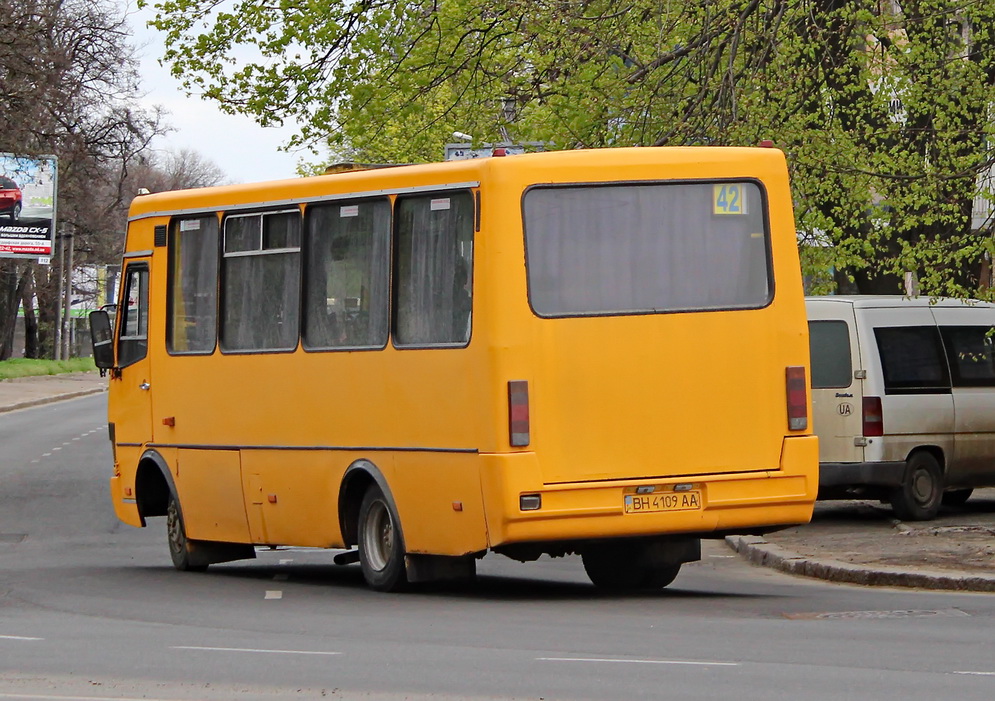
(381, 544)
(179, 545)
(621, 566)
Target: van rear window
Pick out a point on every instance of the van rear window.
(829, 345)
(912, 360)
(631, 248)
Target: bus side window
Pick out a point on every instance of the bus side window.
(133, 343)
(433, 271)
(347, 248)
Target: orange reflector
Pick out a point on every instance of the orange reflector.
(169, 421)
(518, 412)
(272, 498)
(457, 506)
(797, 398)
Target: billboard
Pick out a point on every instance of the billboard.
(28, 186)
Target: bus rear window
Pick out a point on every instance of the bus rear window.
(644, 248)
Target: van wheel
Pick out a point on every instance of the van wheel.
(381, 544)
(621, 566)
(918, 499)
(176, 532)
(957, 497)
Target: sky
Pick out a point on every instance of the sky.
(245, 151)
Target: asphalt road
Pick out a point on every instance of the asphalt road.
(92, 609)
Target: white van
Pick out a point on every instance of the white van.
(903, 399)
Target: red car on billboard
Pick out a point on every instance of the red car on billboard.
(10, 198)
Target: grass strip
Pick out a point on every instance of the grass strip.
(27, 367)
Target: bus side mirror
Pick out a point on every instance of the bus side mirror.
(102, 338)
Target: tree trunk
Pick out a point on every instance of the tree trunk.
(8, 305)
(31, 341)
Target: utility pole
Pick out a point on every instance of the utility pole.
(57, 345)
(67, 331)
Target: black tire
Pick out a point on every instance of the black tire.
(918, 498)
(624, 566)
(176, 533)
(381, 543)
(15, 212)
(957, 497)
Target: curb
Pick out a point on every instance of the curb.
(48, 400)
(758, 551)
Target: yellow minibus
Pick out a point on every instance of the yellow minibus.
(592, 352)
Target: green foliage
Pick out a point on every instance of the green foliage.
(27, 367)
(884, 113)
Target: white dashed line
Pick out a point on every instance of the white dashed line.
(249, 649)
(273, 594)
(287, 561)
(76, 697)
(18, 637)
(978, 674)
(613, 660)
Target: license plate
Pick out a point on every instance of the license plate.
(665, 501)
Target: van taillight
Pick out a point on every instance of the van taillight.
(873, 417)
(797, 398)
(518, 412)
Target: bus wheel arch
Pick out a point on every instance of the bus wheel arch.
(358, 478)
(153, 486)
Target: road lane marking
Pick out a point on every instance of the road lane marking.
(18, 637)
(610, 659)
(978, 674)
(250, 649)
(273, 594)
(77, 697)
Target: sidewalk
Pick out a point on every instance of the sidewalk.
(24, 392)
(858, 542)
(861, 542)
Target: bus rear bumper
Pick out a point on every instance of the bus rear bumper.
(730, 502)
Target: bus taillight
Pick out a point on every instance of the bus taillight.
(873, 417)
(797, 398)
(518, 412)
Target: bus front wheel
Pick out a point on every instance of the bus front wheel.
(179, 546)
(381, 544)
(626, 566)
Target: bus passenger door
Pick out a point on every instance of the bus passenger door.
(130, 396)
